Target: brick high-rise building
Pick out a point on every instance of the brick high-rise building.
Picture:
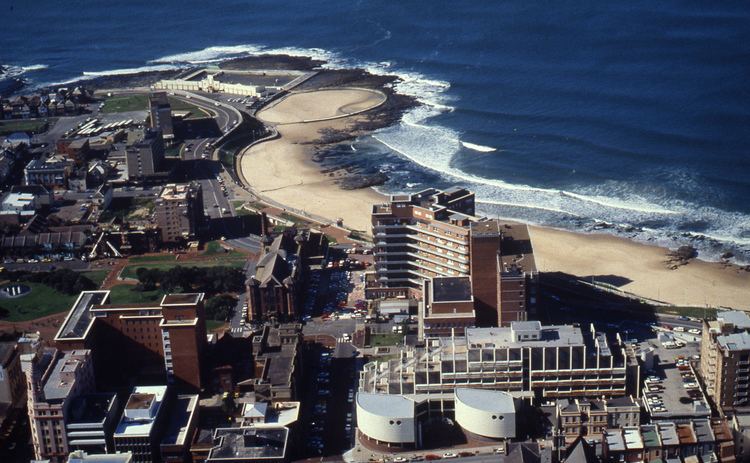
(179, 211)
(160, 114)
(435, 234)
(154, 341)
(725, 359)
(422, 235)
(53, 380)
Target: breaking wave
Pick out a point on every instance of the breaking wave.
(480, 148)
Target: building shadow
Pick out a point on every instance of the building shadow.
(614, 280)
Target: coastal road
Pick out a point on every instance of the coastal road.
(217, 189)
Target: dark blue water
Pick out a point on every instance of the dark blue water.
(635, 114)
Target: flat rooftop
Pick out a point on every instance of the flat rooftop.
(257, 79)
(141, 426)
(451, 289)
(551, 336)
(738, 318)
(140, 401)
(734, 341)
(179, 420)
(58, 385)
(175, 191)
(90, 408)
(516, 250)
(79, 318)
(485, 229)
(249, 443)
(182, 299)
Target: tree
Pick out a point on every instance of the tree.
(220, 307)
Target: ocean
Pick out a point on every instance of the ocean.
(630, 118)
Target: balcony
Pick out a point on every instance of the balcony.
(458, 256)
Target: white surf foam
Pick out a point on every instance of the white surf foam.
(18, 71)
(434, 147)
(480, 148)
(34, 67)
(129, 71)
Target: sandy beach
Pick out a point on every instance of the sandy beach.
(282, 171)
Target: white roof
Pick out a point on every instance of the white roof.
(387, 405)
(142, 427)
(483, 399)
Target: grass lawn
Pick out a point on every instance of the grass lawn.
(23, 125)
(698, 312)
(389, 339)
(124, 103)
(215, 248)
(124, 294)
(162, 258)
(42, 301)
(130, 270)
(97, 276)
(195, 111)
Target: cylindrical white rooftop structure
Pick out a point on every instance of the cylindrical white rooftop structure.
(386, 417)
(486, 413)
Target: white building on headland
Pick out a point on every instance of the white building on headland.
(256, 84)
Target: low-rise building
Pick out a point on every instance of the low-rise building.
(276, 354)
(256, 83)
(52, 172)
(143, 423)
(591, 418)
(667, 441)
(250, 444)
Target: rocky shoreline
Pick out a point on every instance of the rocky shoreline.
(332, 148)
(328, 152)
(9, 84)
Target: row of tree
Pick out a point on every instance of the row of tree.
(63, 280)
(211, 280)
